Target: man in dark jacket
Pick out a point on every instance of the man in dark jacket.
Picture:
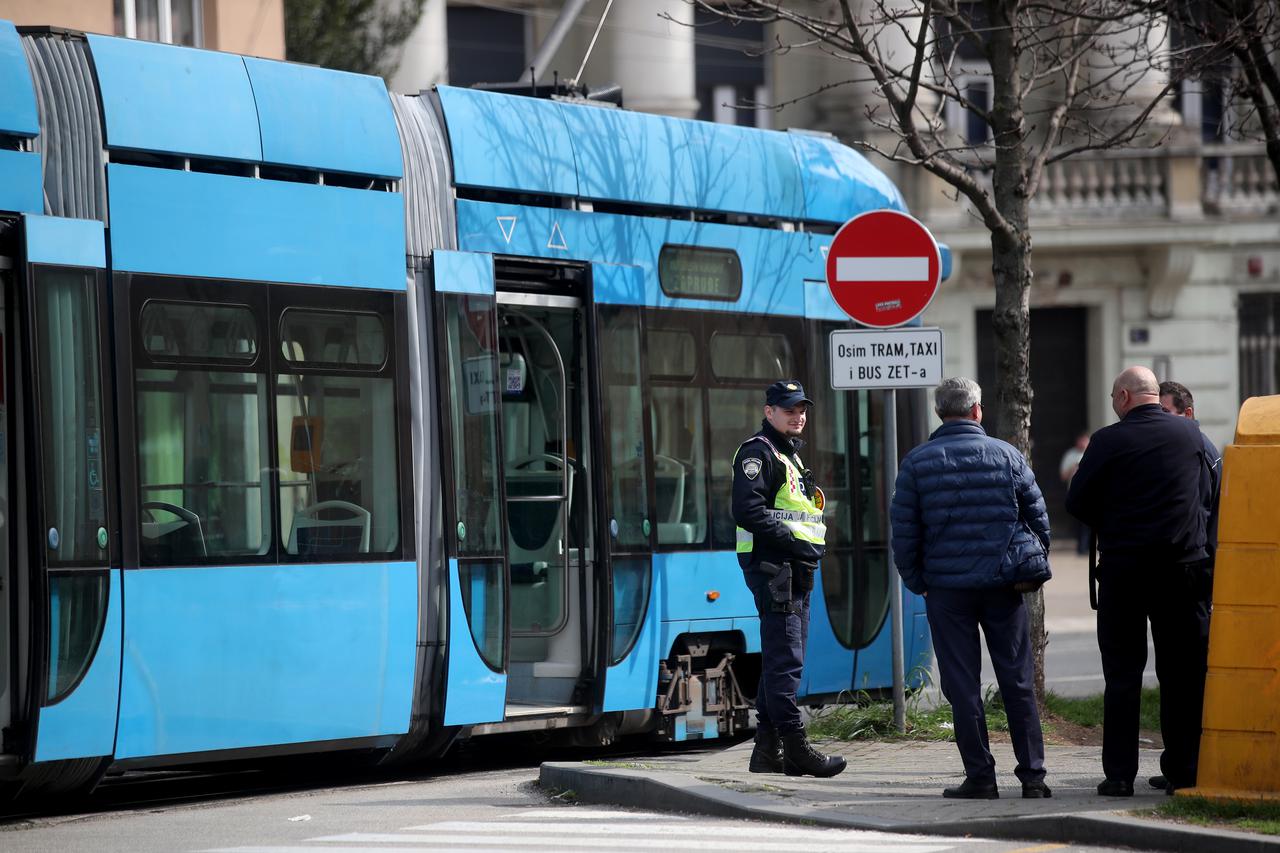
(781, 537)
(1142, 486)
(1176, 399)
(971, 533)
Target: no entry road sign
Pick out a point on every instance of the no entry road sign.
(883, 268)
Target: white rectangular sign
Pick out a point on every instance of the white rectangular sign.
(882, 269)
(886, 358)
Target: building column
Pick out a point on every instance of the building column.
(798, 75)
(424, 61)
(650, 56)
(1141, 50)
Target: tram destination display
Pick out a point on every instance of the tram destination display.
(696, 272)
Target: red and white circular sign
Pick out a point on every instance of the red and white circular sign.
(883, 268)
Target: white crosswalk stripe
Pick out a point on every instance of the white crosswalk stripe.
(539, 830)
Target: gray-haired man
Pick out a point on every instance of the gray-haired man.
(970, 533)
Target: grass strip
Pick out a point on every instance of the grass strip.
(862, 716)
(1254, 815)
(1087, 710)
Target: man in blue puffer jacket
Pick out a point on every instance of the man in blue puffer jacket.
(971, 534)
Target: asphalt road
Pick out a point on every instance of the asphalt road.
(493, 809)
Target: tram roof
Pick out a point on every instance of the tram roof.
(551, 147)
(223, 106)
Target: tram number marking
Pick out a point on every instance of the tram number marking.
(478, 377)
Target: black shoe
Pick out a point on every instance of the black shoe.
(1159, 782)
(1036, 791)
(801, 759)
(767, 755)
(1115, 788)
(971, 789)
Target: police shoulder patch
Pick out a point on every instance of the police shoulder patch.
(751, 467)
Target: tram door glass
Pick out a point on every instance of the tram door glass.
(545, 457)
(6, 579)
(630, 528)
(472, 358)
(74, 482)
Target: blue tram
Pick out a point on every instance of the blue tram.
(334, 419)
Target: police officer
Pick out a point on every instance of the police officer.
(778, 510)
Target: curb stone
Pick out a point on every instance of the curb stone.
(678, 792)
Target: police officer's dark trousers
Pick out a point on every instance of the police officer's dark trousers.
(1172, 596)
(954, 618)
(783, 638)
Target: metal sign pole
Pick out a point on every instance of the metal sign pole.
(895, 584)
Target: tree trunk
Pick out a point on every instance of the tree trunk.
(1011, 267)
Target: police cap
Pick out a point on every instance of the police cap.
(785, 394)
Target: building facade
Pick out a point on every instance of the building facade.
(253, 27)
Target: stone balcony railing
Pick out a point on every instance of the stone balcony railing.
(1188, 183)
(1238, 179)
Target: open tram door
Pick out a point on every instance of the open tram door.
(525, 580)
(549, 484)
(62, 593)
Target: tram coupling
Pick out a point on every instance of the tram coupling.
(702, 704)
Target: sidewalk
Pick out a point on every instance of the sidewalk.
(897, 787)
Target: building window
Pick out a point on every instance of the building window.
(168, 21)
(973, 83)
(729, 70)
(1259, 344)
(486, 45)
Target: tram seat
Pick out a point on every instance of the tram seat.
(330, 528)
(677, 533)
(179, 540)
(669, 484)
(535, 526)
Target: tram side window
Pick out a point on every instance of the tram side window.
(680, 466)
(751, 359)
(202, 433)
(335, 410)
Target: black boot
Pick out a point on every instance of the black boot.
(767, 755)
(973, 789)
(801, 759)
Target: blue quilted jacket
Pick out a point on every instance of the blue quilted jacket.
(967, 514)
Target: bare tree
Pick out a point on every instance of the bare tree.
(1065, 77)
(364, 36)
(1236, 42)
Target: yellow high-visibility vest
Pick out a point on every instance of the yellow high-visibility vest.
(798, 512)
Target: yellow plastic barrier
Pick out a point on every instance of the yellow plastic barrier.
(1240, 743)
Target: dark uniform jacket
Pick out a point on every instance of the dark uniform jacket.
(1214, 459)
(967, 513)
(752, 496)
(1143, 485)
